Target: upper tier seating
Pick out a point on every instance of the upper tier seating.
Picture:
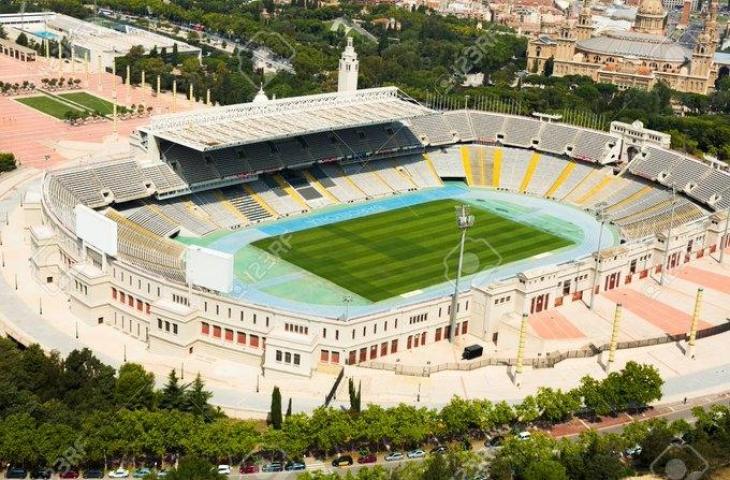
(592, 146)
(653, 161)
(521, 131)
(190, 164)
(555, 137)
(163, 177)
(458, 121)
(487, 125)
(432, 129)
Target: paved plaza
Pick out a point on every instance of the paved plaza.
(41, 141)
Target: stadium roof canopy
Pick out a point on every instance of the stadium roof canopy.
(245, 123)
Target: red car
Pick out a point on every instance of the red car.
(369, 458)
(69, 474)
(249, 468)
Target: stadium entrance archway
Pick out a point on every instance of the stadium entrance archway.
(631, 152)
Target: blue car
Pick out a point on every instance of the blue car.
(294, 466)
(272, 467)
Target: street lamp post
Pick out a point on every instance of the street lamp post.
(600, 213)
(463, 221)
(347, 299)
(669, 236)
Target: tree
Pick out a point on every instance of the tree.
(196, 399)
(3, 34)
(545, 470)
(173, 394)
(288, 409)
(458, 416)
(194, 468)
(639, 385)
(135, 388)
(549, 67)
(275, 413)
(175, 57)
(556, 405)
(7, 162)
(22, 40)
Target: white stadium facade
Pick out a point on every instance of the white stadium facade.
(103, 231)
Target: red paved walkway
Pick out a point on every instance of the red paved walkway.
(32, 135)
(667, 318)
(707, 279)
(552, 325)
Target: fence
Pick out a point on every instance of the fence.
(548, 361)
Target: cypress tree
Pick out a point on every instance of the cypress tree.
(276, 409)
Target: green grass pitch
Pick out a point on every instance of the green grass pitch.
(93, 103)
(48, 105)
(399, 251)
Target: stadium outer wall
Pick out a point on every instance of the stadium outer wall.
(172, 320)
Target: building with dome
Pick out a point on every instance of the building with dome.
(636, 58)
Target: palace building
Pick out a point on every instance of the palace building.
(637, 58)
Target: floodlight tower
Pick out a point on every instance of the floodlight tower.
(463, 221)
(601, 216)
(724, 237)
(669, 236)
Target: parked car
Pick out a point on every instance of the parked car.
(141, 472)
(369, 458)
(634, 451)
(248, 468)
(41, 473)
(438, 450)
(524, 435)
(342, 461)
(417, 453)
(494, 442)
(273, 467)
(294, 466)
(16, 472)
(69, 474)
(224, 469)
(119, 473)
(394, 457)
(94, 473)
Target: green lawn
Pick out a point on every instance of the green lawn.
(95, 104)
(399, 251)
(48, 105)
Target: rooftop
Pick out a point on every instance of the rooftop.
(259, 122)
(634, 44)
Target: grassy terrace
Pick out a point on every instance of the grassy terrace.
(396, 252)
(48, 105)
(95, 104)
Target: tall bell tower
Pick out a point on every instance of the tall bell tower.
(703, 54)
(584, 28)
(349, 65)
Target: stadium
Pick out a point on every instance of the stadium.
(304, 234)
